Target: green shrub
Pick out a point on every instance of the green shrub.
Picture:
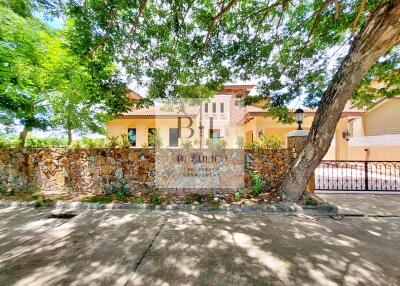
(240, 142)
(239, 195)
(3, 192)
(77, 144)
(98, 199)
(156, 199)
(310, 200)
(112, 142)
(215, 144)
(154, 139)
(125, 141)
(8, 142)
(92, 143)
(33, 142)
(257, 183)
(37, 204)
(280, 193)
(40, 200)
(120, 195)
(118, 192)
(48, 142)
(186, 144)
(138, 200)
(265, 142)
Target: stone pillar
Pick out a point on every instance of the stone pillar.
(295, 143)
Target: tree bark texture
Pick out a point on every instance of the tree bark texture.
(69, 131)
(380, 34)
(22, 137)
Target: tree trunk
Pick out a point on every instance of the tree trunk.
(379, 35)
(69, 131)
(22, 137)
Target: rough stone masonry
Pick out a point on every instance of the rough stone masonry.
(97, 171)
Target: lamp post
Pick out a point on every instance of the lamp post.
(346, 135)
(299, 116)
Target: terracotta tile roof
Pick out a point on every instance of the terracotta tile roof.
(258, 110)
(236, 89)
(154, 111)
(134, 95)
(239, 86)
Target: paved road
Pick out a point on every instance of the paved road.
(365, 203)
(121, 247)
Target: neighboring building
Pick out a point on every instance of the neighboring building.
(230, 121)
(376, 134)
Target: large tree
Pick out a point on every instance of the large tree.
(319, 51)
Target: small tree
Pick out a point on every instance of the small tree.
(71, 89)
(22, 55)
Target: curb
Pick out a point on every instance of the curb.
(322, 209)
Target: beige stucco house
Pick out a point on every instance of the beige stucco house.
(375, 135)
(222, 116)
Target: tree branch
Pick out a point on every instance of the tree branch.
(337, 9)
(316, 16)
(215, 18)
(360, 10)
(108, 30)
(261, 10)
(142, 6)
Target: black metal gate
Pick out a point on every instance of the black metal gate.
(333, 175)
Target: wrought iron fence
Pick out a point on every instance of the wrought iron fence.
(333, 175)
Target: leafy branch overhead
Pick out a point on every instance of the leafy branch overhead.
(292, 47)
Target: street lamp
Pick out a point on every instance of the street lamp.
(346, 135)
(299, 115)
(201, 128)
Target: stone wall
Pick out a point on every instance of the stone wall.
(271, 164)
(96, 171)
(57, 171)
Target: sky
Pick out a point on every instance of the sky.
(53, 22)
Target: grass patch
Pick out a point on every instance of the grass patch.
(138, 200)
(99, 199)
(310, 200)
(156, 199)
(28, 195)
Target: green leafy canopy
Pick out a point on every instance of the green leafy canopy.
(294, 47)
(45, 82)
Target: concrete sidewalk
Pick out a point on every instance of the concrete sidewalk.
(120, 247)
(364, 203)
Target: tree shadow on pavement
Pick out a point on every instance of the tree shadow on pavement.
(179, 248)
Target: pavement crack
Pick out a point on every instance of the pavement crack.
(147, 250)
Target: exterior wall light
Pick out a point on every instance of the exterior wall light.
(346, 135)
(260, 134)
(299, 116)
